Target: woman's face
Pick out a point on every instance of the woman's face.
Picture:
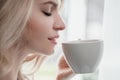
(43, 26)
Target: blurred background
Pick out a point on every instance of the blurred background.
(84, 20)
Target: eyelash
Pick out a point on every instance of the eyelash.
(46, 13)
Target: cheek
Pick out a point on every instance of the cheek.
(40, 24)
(37, 32)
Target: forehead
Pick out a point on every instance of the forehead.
(57, 2)
(42, 1)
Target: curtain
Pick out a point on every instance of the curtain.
(110, 68)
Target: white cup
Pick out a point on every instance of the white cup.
(83, 56)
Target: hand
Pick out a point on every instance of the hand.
(64, 70)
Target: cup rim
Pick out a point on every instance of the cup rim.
(83, 41)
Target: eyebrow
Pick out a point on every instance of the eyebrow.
(51, 2)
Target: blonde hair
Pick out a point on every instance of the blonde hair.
(14, 15)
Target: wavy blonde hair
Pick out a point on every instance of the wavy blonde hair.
(14, 15)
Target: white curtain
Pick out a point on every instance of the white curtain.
(110, 69)
(84, 19)
(75, 16)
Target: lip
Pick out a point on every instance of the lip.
(53, 39)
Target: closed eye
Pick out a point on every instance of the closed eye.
(46, 13)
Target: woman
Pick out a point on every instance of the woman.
(28, 31)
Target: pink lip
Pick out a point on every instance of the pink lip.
(53, 39)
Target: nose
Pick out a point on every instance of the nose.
(58, 23)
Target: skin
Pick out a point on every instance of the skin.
(40, 35)
(43, 26)
(64, 70)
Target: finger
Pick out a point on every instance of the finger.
(64, 74)
(62, 63)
